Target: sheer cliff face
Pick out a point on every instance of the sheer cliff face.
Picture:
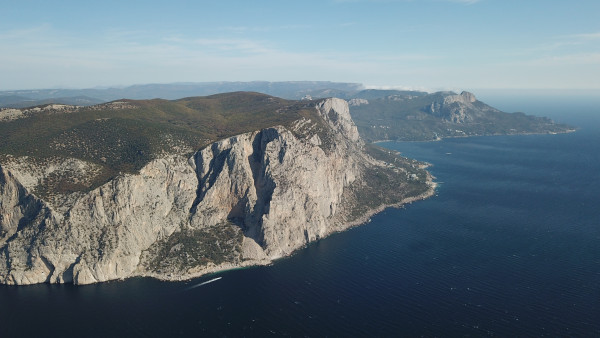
(101, 236)
(459, 108)
(279, 188)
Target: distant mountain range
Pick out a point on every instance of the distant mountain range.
(379, 114)
(16, 101)
(292, 90)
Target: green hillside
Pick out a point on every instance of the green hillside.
(123, 136)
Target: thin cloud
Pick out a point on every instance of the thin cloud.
(569, 41)
(119, 57)
(555, 61)
(240, 45)
(466, 2)
(24, 33)
(247, 29)
(571, 59)
(587, 36)
(556, 44)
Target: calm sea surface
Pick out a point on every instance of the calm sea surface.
(510, 246)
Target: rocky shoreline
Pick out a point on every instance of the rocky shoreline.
(363, 220)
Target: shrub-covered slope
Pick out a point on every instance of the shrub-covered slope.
(123, 136)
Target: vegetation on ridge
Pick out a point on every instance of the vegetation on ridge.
(123, 136)
(192, 248)
(397, 179)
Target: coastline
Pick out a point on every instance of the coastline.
(227, 266)
(336, 226)
(568, 131)
(365, 218)
(408, 200)
(207, 270)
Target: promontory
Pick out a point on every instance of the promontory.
(176, 189)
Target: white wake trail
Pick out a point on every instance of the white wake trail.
(203, 283)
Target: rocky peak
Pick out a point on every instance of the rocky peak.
(454, 108)
(467, 96)
(337, 113)
(464, 98)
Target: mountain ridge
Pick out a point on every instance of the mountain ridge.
(393, 114)
(404, 116)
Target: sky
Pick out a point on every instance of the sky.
(408, 44)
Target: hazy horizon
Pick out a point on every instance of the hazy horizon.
(429, 44)
(494, 91)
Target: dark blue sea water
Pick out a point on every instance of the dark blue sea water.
(510, 246)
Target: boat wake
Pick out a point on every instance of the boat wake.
(203, 283)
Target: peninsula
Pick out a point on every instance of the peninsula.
(177, 189)
(419, 116)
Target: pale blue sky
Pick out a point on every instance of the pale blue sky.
(421, 44)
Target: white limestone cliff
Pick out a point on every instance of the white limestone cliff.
(281, 188)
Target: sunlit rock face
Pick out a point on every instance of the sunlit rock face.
(276, 189)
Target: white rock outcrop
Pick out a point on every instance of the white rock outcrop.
(357, 102)
(464, 98)
(459, 108)
(282, 190)
(8, 114)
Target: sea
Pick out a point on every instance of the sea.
(508, 246)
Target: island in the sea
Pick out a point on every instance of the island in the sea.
(174, 189)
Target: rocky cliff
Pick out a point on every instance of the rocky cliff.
(243, 200)
(459, 109)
